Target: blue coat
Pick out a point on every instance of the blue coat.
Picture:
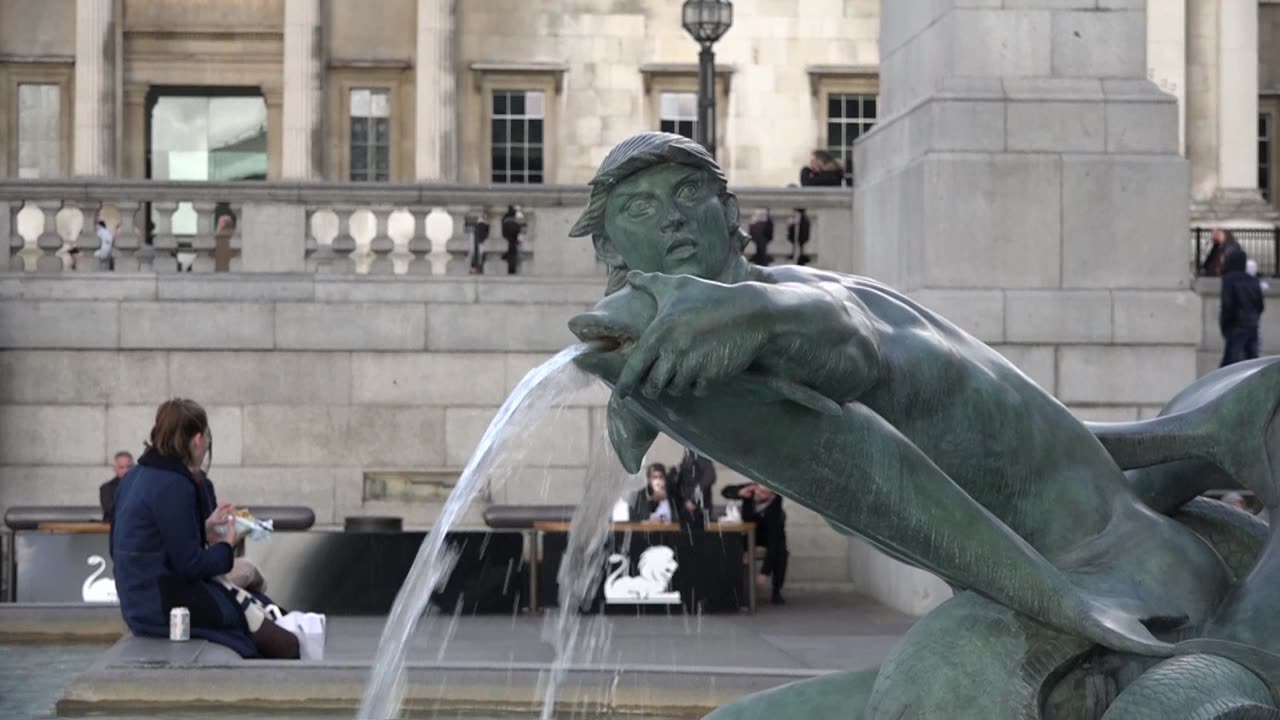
(161, 559)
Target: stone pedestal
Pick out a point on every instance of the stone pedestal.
(1025, 181)
(435, 93)
(95, 97)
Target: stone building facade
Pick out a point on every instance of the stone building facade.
(436, 78)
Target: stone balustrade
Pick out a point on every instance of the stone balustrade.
(346, 228)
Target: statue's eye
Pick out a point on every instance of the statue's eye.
(687, 191)
(639, 207)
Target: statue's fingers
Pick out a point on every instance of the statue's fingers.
(659, 376)
(685, 377)
(639, 360)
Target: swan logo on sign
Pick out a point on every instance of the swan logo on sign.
(97, 589)
(656, 567)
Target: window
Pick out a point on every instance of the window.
(207, 134)
(1265, 134)
(849, 115)
(370, 134)
(39, 130)
(678, 113)
(517, 124)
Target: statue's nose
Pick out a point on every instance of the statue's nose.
(675, 220)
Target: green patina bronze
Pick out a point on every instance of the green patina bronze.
(1090, 581)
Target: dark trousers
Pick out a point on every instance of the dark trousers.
(513, 257)
(774, 540)
(1240, 343)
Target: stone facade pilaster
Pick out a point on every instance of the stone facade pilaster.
(95, 97)
(435, 92)
(303, 90)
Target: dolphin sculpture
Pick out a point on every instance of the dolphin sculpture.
(869, 480)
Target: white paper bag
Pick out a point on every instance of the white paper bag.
(310, 629)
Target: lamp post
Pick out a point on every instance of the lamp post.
(707, 21)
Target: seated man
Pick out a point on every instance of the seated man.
(123, 463)
(653, 503)
(762, 506)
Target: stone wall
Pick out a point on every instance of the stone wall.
(311, 382)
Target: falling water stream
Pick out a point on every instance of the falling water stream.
(581, 568)
(539, 397)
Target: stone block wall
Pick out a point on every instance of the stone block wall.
(311, 382)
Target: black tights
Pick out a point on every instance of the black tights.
(276, 643)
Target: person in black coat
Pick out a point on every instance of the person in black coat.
(122, 464)
(694, 478)
(1224, 243)
(1241, 309)
(763, 507)
(511, 228)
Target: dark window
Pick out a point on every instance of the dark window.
(370, 134)
(849, 115)
(516, 127)
(678, 113)
(1265, 136)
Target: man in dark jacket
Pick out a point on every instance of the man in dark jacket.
(763, 507)
(694, 479)
(121, 464)
(1241, 309)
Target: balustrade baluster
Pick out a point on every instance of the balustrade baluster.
(459, 245)
(127, 242)
(204, 242)
(49, 241)
(15, 241)
(320, 255)
(440, 229)
(230, 239)
(419, 244)
(344, 244)
(88, 241)
(164, 246)
(381, 245)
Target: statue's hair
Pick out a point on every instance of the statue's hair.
(629, 157)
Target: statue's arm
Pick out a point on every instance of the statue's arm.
(820, 335)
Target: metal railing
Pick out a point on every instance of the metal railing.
(1261, 244)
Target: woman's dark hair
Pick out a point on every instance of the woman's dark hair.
(657, 468)
(177, 422)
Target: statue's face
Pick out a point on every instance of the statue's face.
(669, 218)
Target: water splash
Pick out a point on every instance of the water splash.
(582, 567)
(543, 393)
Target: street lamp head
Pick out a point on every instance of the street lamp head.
(707, 20)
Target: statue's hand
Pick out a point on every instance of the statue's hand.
(703, 331)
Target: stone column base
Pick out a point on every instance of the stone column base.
(1235, 207)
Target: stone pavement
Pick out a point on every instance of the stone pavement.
(674, 665)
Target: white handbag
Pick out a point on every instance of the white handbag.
(310, 629)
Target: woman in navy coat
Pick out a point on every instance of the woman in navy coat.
(171, 544)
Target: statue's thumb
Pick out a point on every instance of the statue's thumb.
(652, 284)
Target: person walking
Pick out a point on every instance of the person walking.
(511, 229)
(1241, 308)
